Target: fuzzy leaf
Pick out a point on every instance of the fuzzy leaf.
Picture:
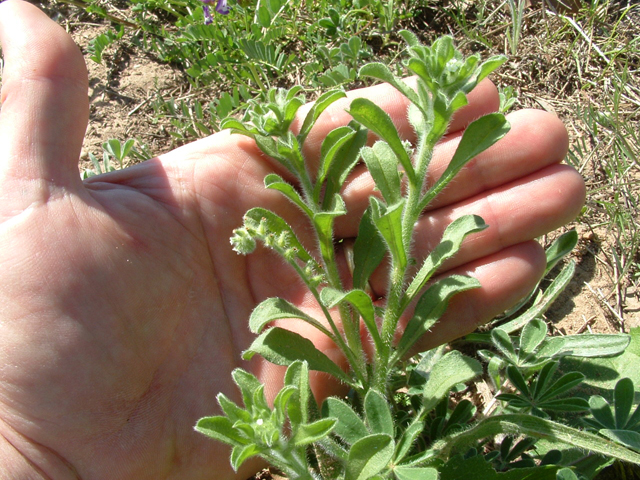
(452, 369)
(240, 454)
(378, 413)
(275, 309)
(331, 146)
(368, 456)
(623, 396)
(283, 347)
(407, 439)
(297, 375)
(415, 473)
(533, 334)
(318, 107)
(350, 426)
(361, 301)
(382, 164)
(221, 429)
(275, 182)
(312, 432)
(478, 137)
(368, 251)
(431, 307)
(452, 239)
(389, 223)
(378, 121)
(586, 345)
(627, 438)
(562, 246)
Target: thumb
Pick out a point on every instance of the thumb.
(44, 105)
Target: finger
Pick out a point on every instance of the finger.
(482, 100)
(516, 212)
(506, 278)
(44, 99)
(537, 139)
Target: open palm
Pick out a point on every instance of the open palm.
(122, 306)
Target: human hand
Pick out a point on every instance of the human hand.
(124, 309)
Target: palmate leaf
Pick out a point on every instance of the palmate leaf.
(283, 347)
(415, 473)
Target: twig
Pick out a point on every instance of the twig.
(603, 299)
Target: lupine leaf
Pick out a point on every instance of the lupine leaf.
(623, 396)
(378, 413)
(450, 370)
(565, 383)
(586, 345)
(275, 309)
(562, 246)
(368, 456)
(350, 426)
(409, 436)
(415, 473)
(533, 334)
(378, 121)
(283, 347)
(513, 373)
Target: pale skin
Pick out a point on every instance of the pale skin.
(123, 308)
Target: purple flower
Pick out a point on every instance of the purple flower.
(208, 19)
(222, 7)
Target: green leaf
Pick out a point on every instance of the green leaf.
(312, 432)
(562, 246)
(240, 454)
(345, 159)
(502, 341)
(513, 373)
(533, 334)
(318, 107)
(389, 223)
(297, 376)
(431, 307)
(331, 146)
(543, 302)
(450, 244)
(382, 164)
(382, 72)
(275, 182)
(489, 66)
(407, 439)
(522, 424)
(369, 456)
(586, 345)
(478, 137)
(248, 384)
(566, 474)
(624, 394)
(627, 438)
(361, 301)
(275, 309)
(350, 426)
(565, 383)
(415, 473)
(221, 429)
(283, 347)
(378, 413)
(378, 121)
(451, 369)
(478, 468)
(368, 251)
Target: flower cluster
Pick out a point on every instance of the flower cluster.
(222, 7)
